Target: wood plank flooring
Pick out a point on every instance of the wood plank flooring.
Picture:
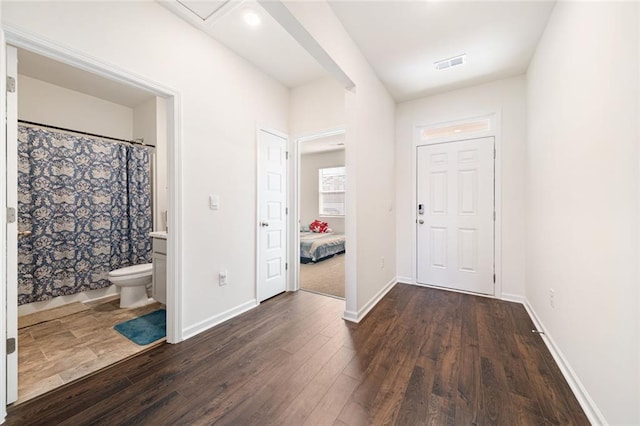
(61, 350)
(422, 356)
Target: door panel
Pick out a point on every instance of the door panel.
(455, 241)
(272, 250)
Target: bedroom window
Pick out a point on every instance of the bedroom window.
(331, 191)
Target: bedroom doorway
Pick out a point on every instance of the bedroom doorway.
(321, 213)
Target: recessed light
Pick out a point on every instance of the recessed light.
(450, 62)
(251, 18)
(457, 131)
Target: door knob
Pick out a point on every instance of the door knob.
(264, 224)
(24, 233)
(421, 221)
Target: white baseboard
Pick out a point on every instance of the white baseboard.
(350, 316)
(217, 319)
(359, 316)
(84, 296)
(406, 280)
(586, 402)
(508, 297)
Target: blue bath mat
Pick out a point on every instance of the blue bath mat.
(145, 329)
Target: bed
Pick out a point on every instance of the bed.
(315, 247)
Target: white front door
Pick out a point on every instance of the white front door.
(12, 227)
(272, 223)
(455, 215)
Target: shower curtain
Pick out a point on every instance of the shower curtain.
(87, 203)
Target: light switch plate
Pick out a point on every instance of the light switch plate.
(214, 202)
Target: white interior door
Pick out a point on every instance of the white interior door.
(272, 223)
(12, 226)
(455, 216)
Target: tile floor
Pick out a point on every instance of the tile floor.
(59, 351)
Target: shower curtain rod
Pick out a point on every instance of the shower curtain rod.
(135, 142)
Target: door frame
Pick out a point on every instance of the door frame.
(20, 39)
(287, 225)
(3, 232)
(10, 133)
(295, 202)
(495, 132)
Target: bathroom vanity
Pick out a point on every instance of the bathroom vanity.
(159, 256)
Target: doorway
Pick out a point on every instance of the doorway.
(53, 306)
(321, 195)
(455, 212)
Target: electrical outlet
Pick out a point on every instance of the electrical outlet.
(222, 277)
(552, 295)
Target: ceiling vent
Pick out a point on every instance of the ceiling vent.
(450, 62)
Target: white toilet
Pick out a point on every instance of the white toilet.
(133, 281)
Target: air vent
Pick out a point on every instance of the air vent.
(450, 62)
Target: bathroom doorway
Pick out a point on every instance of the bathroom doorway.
(92, 181)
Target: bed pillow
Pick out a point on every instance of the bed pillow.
(304, 228)
(319, 226)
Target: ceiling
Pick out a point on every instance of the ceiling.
(402, 40)
(54, 72)
(267, 45)
(324, 144)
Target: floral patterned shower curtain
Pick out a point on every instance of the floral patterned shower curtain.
(87, 203)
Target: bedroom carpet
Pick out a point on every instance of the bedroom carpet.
(326, 277)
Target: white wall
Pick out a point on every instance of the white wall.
(144, 121)
(46, 103)
(582, 197)
(309, 196)
(150, 123)
(222, 99)
(161, 184)
(370, 261)
(316, 106)
(504, 96)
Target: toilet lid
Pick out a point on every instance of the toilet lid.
(131, 270)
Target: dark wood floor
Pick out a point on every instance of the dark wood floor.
(422, 356)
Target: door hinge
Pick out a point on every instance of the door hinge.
(286, 210)
(11, 84)
(494, 216)
(11, 345)
(494, 153)
(286, 155)
(494, 278)
(11, 214)
(286, 266)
